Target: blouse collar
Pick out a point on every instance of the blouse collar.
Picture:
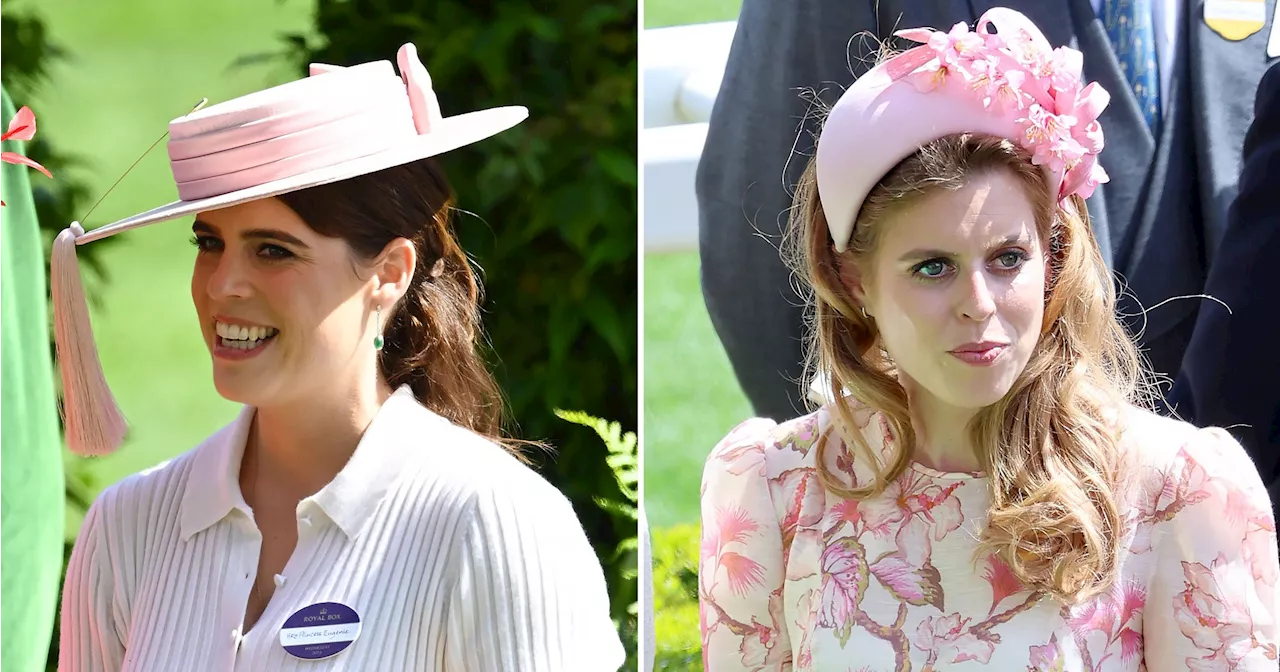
(213, 484)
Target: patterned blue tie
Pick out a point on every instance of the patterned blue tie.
(1130, 26)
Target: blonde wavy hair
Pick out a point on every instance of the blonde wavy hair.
(1050, 446)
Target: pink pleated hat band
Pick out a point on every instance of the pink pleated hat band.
(333, 116)
(1010, 84)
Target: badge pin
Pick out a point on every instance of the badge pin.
(1235, 19)
(320, 630)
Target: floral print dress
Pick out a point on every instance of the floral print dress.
(795, 578)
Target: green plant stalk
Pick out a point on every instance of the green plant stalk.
(31, 484)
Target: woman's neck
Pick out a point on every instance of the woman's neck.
(942, 436)
(302, 444)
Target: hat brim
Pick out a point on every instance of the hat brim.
(446, 135)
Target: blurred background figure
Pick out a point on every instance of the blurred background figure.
(32, 488)
(558, 195)
(1231, 373)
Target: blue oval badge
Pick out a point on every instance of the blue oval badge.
(320, 630)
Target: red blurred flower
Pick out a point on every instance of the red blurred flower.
(21, 127)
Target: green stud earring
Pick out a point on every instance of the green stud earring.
(377, 339)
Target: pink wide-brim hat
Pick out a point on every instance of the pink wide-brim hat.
(335, 124)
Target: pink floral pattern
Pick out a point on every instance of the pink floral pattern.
(949, 640)
(1046, 657)
(793, 578)
(1017, 73)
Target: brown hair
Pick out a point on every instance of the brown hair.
(433, 333)
(1049, 447)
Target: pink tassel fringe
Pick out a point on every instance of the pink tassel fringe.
(94, 423)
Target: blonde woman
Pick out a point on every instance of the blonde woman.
(985, 490)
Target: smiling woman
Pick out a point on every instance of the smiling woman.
(366, 484)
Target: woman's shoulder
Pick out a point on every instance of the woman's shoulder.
(474, 467)
(1200, 480)
(1155, 443)
(1202, 512)
(789, 446)
(153, 496)
(774, 446)
(174, 471)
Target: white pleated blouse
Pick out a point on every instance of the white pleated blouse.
(454, 555)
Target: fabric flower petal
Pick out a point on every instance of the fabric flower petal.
(22, 126)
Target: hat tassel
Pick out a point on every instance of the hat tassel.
(94, 423)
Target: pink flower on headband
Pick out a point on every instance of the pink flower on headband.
(957, 45)
(1017, 74)
(1005, 93)
(21, 127)
(1048, 136)
(930, 77)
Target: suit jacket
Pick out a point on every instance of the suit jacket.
(1157, 221)
(1231, 373)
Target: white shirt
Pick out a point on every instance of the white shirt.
(454, 555)
(1165, 15)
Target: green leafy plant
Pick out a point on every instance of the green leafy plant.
(675, 598)
(624, 461)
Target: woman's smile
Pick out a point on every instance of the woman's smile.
(235, 340)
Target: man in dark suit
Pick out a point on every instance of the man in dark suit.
(1173, 161)
(1231, 372)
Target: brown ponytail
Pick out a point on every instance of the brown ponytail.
(433, 333)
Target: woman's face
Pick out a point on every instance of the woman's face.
(281, 307)
(956, 289)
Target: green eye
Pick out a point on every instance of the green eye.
(1010, 259)
(932, 269)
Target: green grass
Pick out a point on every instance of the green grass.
(691, 397)
(137, 64)
(663, 13)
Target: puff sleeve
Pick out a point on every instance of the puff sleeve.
(1212, 599)
(741, 570)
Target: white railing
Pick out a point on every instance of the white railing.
(683, 66)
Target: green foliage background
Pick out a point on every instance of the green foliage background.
(675, 598)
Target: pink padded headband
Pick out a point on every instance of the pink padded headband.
(1012, 85)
